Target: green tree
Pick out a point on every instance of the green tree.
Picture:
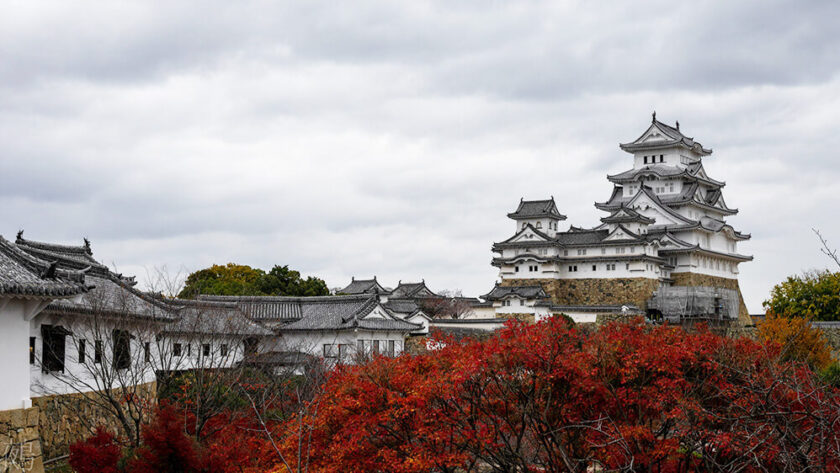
(283, 281)
(241, 280)
(814, 295)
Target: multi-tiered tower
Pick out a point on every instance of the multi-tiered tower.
(665, 227)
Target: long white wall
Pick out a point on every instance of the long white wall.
(14, 352)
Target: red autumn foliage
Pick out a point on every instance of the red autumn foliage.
(546, 397)
(166, 447)
(531, 398)
(100, 453)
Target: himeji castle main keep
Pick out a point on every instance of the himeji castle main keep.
(662, 248)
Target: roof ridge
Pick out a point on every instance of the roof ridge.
(85, 248)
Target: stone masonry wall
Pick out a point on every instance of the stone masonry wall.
(593, 291)
(20, 447)
(68, 418)
(694, 279)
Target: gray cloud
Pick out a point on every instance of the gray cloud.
(392, 138)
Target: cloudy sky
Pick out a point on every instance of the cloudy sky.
(391, 138)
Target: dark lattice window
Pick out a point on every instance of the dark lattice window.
(122, 349)
(81, 351)
(53, 337)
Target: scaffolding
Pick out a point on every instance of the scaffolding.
(691, 304)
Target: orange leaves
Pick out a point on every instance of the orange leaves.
(797, 339)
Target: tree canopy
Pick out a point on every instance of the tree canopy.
(814, 295)
(241, 280)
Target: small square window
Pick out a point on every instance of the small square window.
(176, 349)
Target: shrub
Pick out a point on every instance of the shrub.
(98, 454)
(799, 340)
(166, 448)
(831, 374)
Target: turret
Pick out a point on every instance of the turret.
(540, 214)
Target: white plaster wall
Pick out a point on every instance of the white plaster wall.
(313, 342)
(80, 377)
(581, 317)
(481, 313)
(14, 353)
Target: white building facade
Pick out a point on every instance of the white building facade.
(665, 224)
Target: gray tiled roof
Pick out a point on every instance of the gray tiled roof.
(402, 306)
(110, 294)
(663, 170)
(413, 289)
(217, 318)
(69, 256)
(537, 209)
(626, 214)
(22, 274)
(524, 292)
(315, 313)
(581, 237)
(673, 136)
(280, 358)
(364, 286)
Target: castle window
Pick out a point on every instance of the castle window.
(122, 349)
(661, 158)
(516, 269)
(539, 224)
(97, 351)
(31, 350)
(581, 252)
(53, 338)
(81, 351)
(147, 352)
(565, 252)
(603, 251)
(176, 349)
(645, 159)
(627, 266)
(594, 268)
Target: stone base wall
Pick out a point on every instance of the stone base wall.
(694, 279)
(69, 418)
(20, 447)
(530, 318)
(594, 291)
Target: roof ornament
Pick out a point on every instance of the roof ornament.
(49, 273)
(653, 116)
(678, 125)
(87, 246)
(20, 235)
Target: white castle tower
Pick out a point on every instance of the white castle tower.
(665, 226)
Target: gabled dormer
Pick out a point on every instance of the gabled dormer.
(540, 214)
(663, 144)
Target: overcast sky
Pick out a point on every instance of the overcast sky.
(392, 138)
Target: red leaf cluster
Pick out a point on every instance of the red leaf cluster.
(100, 453)
(547, 397)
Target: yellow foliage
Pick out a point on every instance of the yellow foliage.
(799, 340)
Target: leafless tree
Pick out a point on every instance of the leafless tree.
(451, 304)
(826, 248)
